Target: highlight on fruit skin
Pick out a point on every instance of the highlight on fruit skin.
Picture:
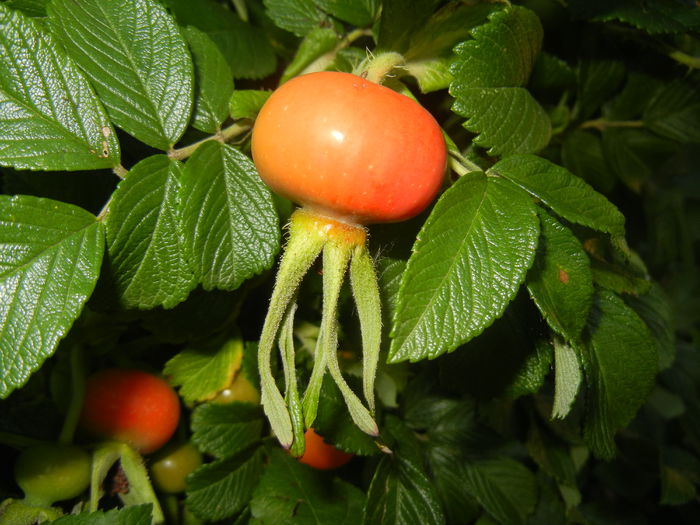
(351, 153)
(349, 148)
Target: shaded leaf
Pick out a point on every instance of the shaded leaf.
(246, 103)
(213, 82)
(675, 111)
(224, 430)
(49, 265)
(620, 364)
(296, 16)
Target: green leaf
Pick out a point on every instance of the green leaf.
(560, 281)
(134, 515)
(203, 370)
(400, 20)
(360, 13)
(51, 118)
(582, 155)
(432, 75)
(504, 487)
(292, 493)
(620, 364)
(136, 58)
(401, 492)
(598, 81)
(35, 8)
(246, 47)
(675, 111)
(532, 373)
(654, 307)
(653, 16)
(467, 264)
(552, 455)
(315, 44)
(567, 195)
(213, 81)
(231, 228)
(567, 379)
(220, 489)
(246, 103)
(489, 72)
(296, 16)
(144, 236)
(224, 430)
(333, 422)
(49, 265)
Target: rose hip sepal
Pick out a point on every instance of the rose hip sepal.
(350, 152)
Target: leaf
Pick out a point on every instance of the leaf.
(432, 75)
(144, 236)
(224, 430)
(220, 489)
(560, 282)
(400, 20)
(582, 155)
(49, 264)
(51, 118)
(334, 423)
(296, 16)
(203, 370)
(400, 492)
(246, 103)
(467, 264)
(134, 515)
(213, 82)
(567, 379)
(230, 224)
(532, 373)
(489, 73)
(654, 307)
(246, 47)
(599, 79)
(135, 56)
(620, 364)
(35, 8)
(360, 13)
(504, 487)
(292, 493)
(675, 111)
(567, 195)
(653, 16)
(315, 44)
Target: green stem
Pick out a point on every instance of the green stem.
(225, 135)
(365, 289)
(77, 373)
(241, 9)
(602, 124)
(325, 59)
(120, 171)
(302, 249)
(335, 261)
(685, 59)
(461, 165)
(18, 441)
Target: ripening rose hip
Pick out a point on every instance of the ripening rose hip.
(349, 148)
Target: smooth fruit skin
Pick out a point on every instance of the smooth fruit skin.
(320, 455)
(171, 466)
(51, 472)
(346, 147)
(130, 406)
